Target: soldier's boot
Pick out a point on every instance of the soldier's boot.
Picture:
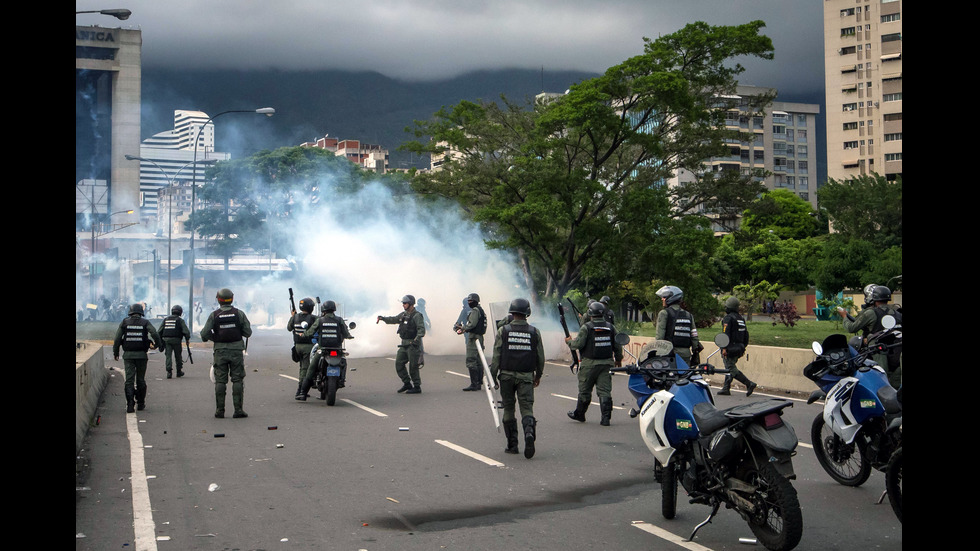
(180, 371)
(141, 397)
(749, 385)
(130, 400)
(605, 408)
(170, 374)
(300, 392)
(475, 380)
(238, 398)
(726, 387)
(510, 431)
(405, 387)
(579, 413)
(530, 434)
(417, 389)
(220, 390)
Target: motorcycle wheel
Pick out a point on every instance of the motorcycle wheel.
(777, 520)
(845, 463)
(331, 390)
(668, 490)
(893, 482)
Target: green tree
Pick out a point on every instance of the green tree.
(783, 214)
(559, 182)
(867, 207)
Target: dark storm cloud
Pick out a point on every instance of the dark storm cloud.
(425, 39)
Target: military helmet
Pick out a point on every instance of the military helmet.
(732, 304)
(881, 294)
(473, 297)
(604, 300)
(671, 293)
(597, 310)
(306, 304)
(520, 306)
(868, 289)
(408, 299)
(177, 310)
(225, 296)
(329, 306)
(136, 309)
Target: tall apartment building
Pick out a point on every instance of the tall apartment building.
(783, 143)
(108, 75)
(369, 156)
(863, 65)
(167, 170)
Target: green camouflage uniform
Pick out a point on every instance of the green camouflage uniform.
(410, 350)
(229, 362)
(134, 361)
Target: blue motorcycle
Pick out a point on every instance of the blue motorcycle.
(740, 457)
(851, 435)
(331, 369)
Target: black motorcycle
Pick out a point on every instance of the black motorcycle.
(331, 370)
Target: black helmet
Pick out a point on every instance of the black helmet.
(731, 305)
(225, 296)
(408, 299)
(604, 300)
(520, 306)
(597, 310)
(881, 294)
(329, 306)
(306, 305)
(177, 310)
(671, 293)
(136, 309)
(473, 297)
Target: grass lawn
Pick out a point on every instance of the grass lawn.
(763, 333)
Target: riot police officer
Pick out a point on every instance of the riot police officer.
(868, 322)
(518, 363)
(473, 331)
(676, 325)
(135, 336)
(298, 323)
(173, 330)
(329, 331)
(597, 344)
(411, 329)
(227, 327)
(733, 325)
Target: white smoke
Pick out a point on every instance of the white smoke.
(367, 250)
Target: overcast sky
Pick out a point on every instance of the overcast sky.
(426, 39)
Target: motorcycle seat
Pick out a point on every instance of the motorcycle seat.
(709, 418)
(889, 399)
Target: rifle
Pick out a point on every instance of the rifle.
(189, 357)
(564, 325)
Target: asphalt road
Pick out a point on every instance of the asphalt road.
(382, 470)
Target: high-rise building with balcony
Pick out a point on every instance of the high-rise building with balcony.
(863, 66)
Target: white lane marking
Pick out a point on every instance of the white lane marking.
(145, 537)
(458, 374)
(576, 399)
(673, 538)
(474, 455)
(289, 377)
(365, 408)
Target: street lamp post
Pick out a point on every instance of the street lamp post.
(121, 14)
(268, 111)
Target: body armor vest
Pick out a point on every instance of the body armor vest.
(481, 325)
(407, 329)
(299, 328)
(171, 328)
(680, 328)
(225, 326)
(519, 348)
(599, 345)
(738, 334)
(330, 336)
(136, 337)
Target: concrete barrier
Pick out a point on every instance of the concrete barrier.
(91, 377)
(773, 368)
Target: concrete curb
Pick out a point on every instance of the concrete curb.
(91, 377)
